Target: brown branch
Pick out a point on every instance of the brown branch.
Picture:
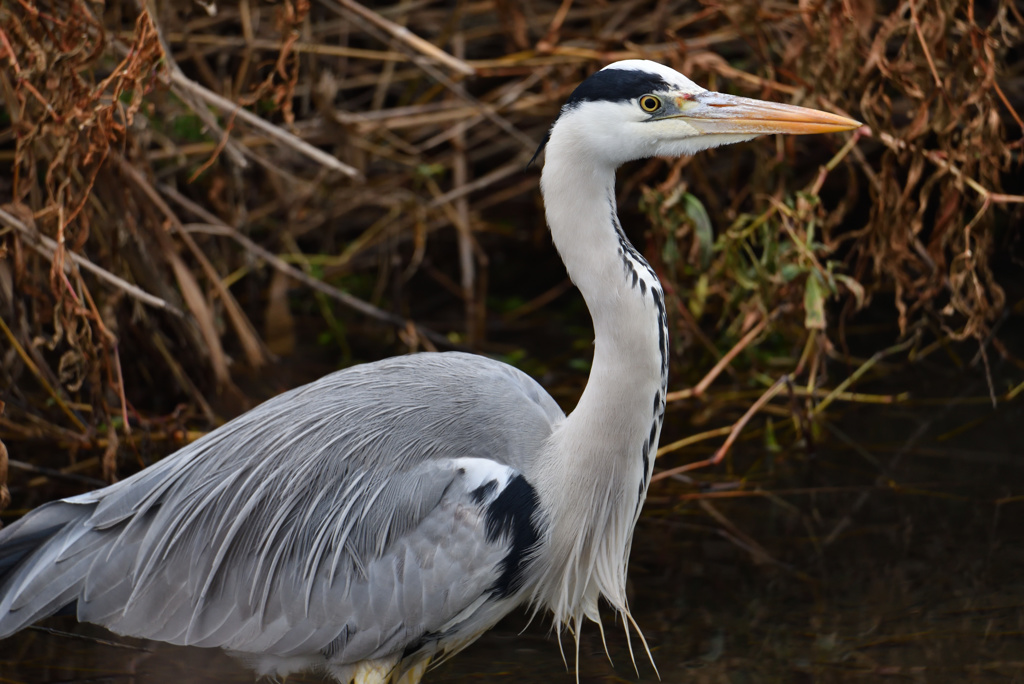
(47, 247)
(215, 226)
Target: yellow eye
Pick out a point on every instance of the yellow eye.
(649, 103)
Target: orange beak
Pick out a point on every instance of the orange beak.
(718, 113)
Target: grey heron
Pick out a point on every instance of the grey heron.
(390, 513)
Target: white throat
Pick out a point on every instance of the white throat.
(604, 451)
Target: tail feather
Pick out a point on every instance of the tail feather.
(12, 552)
(34, 582)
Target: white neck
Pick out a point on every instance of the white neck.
(594, 478)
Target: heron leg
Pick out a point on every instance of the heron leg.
(414, 674)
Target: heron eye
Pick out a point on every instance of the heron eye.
(649, 103)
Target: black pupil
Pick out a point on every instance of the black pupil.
(650, 103)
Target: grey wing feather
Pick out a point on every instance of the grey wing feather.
(335, 517)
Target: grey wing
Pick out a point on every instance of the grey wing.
(350, 517)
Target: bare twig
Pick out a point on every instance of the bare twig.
(703, 385)
(5, 493)
(54, 474)
(276, 132)
(739, 537)
(234, 152)
(427, 65)
(734, 432)
(864, 368)
(47, 247)
(34, 369)
(234, 109)
(936, 158)
(214, 226)
(255, 352)
(408, 38)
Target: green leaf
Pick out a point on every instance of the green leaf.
(699, 296)
(670, 252)
(187, 127)
(855, 288)
(771, 442)
(514, 357)
(789, 272)
(702, 229)
(814, 303)
(582, 365)
(430, 170)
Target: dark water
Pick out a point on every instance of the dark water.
(924, 582)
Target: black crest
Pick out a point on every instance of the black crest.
(616, 85)
(610, 85)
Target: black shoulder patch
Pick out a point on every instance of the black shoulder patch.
(511, 517)
(483, 491)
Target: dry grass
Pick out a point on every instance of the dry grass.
(197, 197)
(177, 176)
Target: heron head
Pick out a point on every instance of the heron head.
(637, 108)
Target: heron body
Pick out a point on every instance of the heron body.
(392, 512)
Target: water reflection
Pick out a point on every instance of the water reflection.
(923, 584)
(924, 589)
(531, 656)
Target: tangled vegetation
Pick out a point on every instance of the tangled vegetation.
(199, 191)
(206, 203)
